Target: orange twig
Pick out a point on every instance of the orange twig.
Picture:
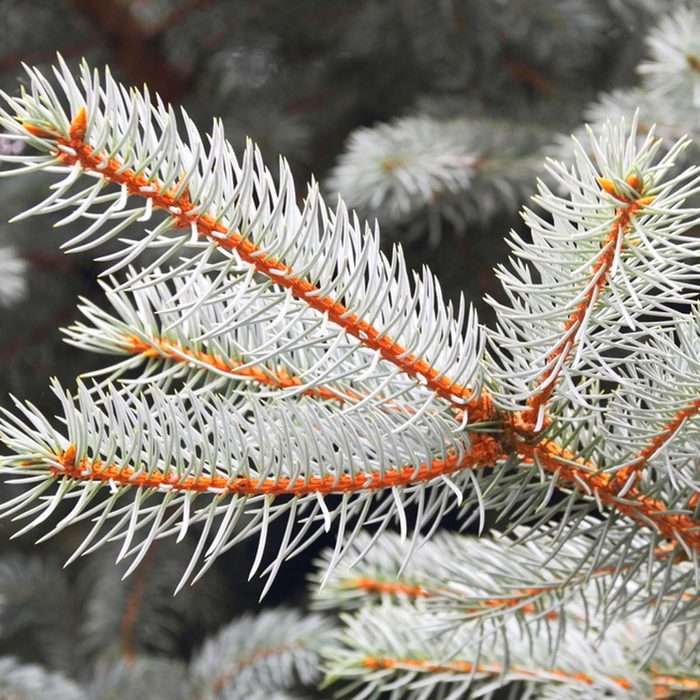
(600, 274)
(133, 605)
(160, 347)
(398, 588)
(253, 657)
(388, 587)
(635, 505)
(484, 453)
(377, 663)
(665, 685)
(665, 434)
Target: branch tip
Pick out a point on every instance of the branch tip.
(78, 127)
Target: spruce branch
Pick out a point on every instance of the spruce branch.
(586, 276)
(209, 196)
(30, 681)
(673, 68)
(335, 297)
(394, 649)
(271, 370)
(142, 617)
(540, 583)
(211, 460)
(229, 340)
(423, 168)
(597, 279)
(258, 655)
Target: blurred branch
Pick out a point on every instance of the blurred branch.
(529, 76)
(135, 50)
(178, 15)
(54, 262)
(133, 605)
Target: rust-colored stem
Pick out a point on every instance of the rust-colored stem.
(376, 663)
(665, 434)
(160, 347)
(665, 685)
(600, 272)
(635, 505)
(133, 605)
(138, 55)
(484, 453)
(408, 590)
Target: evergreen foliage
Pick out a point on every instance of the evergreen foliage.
(278, 378)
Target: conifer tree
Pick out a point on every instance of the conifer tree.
(279, 377)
